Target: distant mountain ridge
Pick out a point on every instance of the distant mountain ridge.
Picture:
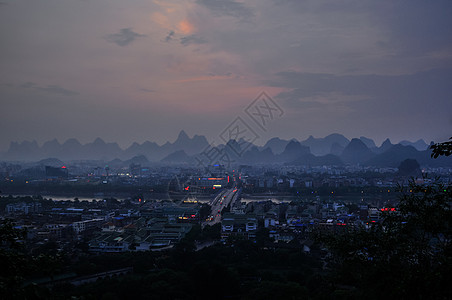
(322, 146)
(72, 149)
(419, 144)
(356, 152)
(334, 149)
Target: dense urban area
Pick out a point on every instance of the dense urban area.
(90, 230)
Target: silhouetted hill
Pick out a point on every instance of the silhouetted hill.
(275, 150)
(255, 156)
(394, 156)
(442, 161)
(32, 173)
(293, 151)
(420, 145)
(336, 149)
(385, 146)
(51, 148)
(232, 150)
(322, 146)
(23, 151)
(409, 167)
(398, 153)
(101, 150)
(276, 144)
(71, 149)
(356, 152)
(138, 160)
(52, 162)
(177, 157)
(117, 163)
(245, 144)
(190, 145)
(368, 142)
(150, 149)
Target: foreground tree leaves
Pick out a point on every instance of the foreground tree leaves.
(406, 254)
(16, 266)
(440, 149)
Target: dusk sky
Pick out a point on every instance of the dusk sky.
(142, 70)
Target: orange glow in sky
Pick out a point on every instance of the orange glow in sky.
(186, 27)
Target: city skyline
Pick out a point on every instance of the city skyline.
(144, 70)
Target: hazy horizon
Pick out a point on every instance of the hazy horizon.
(143, 70)
(258, 142)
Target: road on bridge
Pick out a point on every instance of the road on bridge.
(222, 200)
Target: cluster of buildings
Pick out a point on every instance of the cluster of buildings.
(106, 226)
(258, 179)
(141, 235)
(292, 223)
(113, 226)
(138, 225)
(173, 178)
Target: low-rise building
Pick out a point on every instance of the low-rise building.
(81, 226)
(243, 225)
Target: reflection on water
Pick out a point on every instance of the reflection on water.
(275, 200)
(67, 198)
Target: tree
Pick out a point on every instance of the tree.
(444, 148)
(13, 264)
(409, 167)
(204, 211)
(16, 266)
(409, 250)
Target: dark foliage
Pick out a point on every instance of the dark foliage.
(406, 255)
(16, 266)
(409, 167)
(444, 148)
